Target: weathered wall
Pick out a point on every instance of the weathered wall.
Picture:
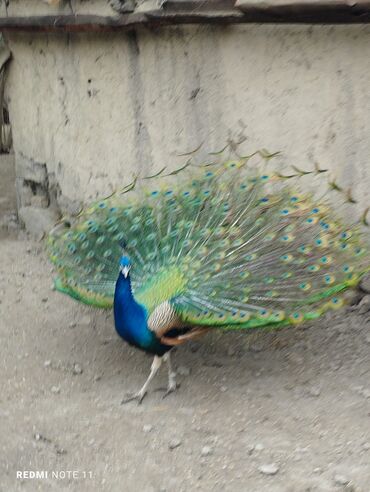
(91, 109)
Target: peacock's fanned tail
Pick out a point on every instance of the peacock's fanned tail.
(229, 246)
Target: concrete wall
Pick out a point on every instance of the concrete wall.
(88, 110)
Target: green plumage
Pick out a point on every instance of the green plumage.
(226, 245)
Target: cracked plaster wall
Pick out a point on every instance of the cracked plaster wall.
(92, 109)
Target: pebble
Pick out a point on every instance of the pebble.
(147, 428)
(365, 283)
(77, 369)
(183, 371)
(367, 339)
(206, 451)
(365, 393)
(269, 469)
(250, 449)
(72, 324)
(341, 480)
(315, 391)
(55, 389)
(259, 447)
(97, 377)
(364, 305)
(366, 446)
(47, 363)
(256, 347)
(44, 299)
(174, 443)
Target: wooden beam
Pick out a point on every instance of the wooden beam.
(221, 12)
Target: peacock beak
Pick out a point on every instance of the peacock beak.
(125, 271)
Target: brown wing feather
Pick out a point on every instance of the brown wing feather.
(195, 332)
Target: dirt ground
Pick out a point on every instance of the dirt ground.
(279, 412)
(275, 412)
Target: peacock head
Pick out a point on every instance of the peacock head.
(124, 265)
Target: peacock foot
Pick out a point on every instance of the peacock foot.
(139, 396)
(170, 389)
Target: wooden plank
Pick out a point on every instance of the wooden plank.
(206, 12)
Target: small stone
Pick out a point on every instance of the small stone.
(366, 446)
(183, 371)
(317, 470)
(250, 449)
(55, 389)
(259, 447)
(269, 469)
(341, 480)
(367, 339)
(315, 391)
(256, 347)
(72, 324)
(230, 352)
(97, 377)
(147, 428)
(174, 443)
(77, 369)
(364, 305)
(47, 363)
(206, 451)
(365, 393)
(365, 283)
(44, 299)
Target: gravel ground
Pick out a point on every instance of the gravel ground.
(274, 412)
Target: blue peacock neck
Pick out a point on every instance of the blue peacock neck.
(130, 317)
(123, 291)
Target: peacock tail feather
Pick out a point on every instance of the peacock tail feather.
(227, 244)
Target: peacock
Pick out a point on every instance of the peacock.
(224, 244)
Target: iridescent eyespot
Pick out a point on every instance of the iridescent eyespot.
(329, 279)
(286, 257)
(296, 317)
(72, 248)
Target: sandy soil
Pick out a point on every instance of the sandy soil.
(296, 403)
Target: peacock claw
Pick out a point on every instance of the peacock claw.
(134, 396)
(170, 389)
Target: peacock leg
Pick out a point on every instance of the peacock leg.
(171, 375)
(139, 396)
